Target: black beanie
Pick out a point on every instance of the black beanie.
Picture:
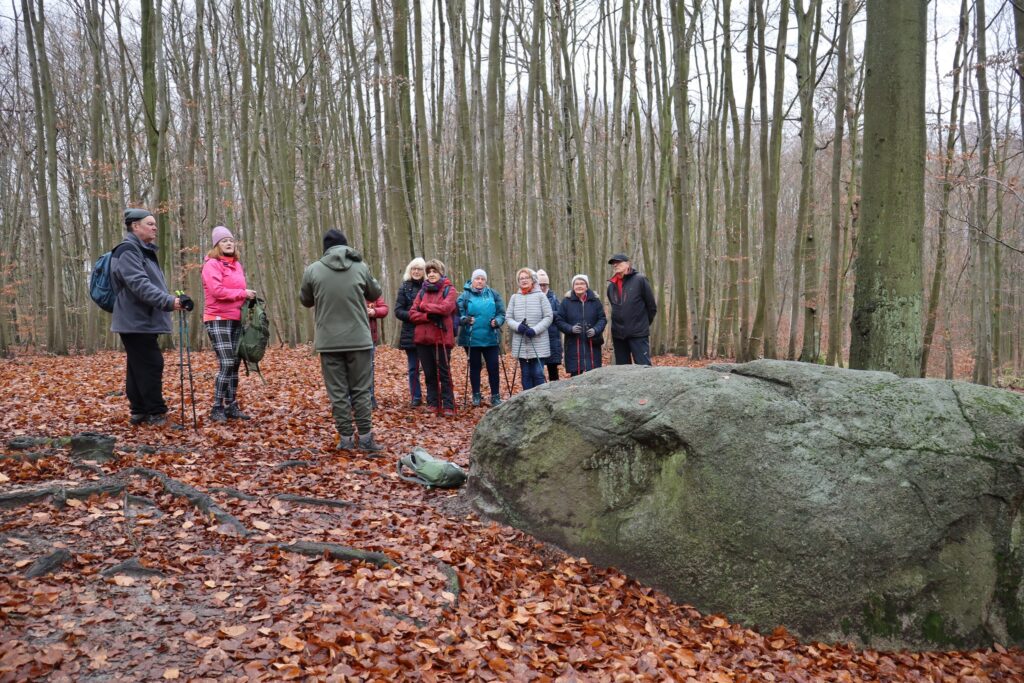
(133, 215)
(333, 238)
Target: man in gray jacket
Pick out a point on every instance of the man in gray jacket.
(142, 310)
(338, 285)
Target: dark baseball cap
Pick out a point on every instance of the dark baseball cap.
(616, 258)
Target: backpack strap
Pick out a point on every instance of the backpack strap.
(414, 478)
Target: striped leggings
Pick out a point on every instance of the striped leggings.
(224, 336)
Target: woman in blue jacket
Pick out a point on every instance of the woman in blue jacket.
(482, 314)
(582, 320)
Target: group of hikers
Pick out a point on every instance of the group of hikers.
(347, 300)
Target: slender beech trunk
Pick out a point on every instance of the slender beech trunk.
(935, 291)
(835, 333)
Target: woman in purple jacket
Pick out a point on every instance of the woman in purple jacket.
(224, 286)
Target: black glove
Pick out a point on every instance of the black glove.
(577, 329)
(530, 332)
(522, 328)
(591, 332)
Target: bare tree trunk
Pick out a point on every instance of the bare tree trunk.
(809, 29)
(47, 202)
(886, 323)
(939, 275)
(764, 330)
(835, 334)
(982, 280)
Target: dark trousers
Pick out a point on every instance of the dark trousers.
(478, 355)
(635, 350)
(144, 375)
(412, 363)
(533, 372)
(552, 371)
(437, 370)
(348, 377)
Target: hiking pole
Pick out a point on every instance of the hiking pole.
(191, 383)
(181, 360)
(579, 355)
(504, 368)
(187, 305)
(465, 385)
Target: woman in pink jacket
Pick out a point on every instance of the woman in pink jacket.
(224, 286)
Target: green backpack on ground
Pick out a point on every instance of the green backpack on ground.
(252, 343)
(429, 471)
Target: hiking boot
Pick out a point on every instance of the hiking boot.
(495, 400)
(137, 418)
(156, 420)
(477, 400)
(416, 403)
(347, 442)
(233, 412)
(218, 414)
(368, 444)
(448, 412)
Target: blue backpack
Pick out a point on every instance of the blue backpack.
(101, 283)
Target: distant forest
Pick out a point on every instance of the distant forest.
(722, 144)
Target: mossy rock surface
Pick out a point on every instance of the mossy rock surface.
(844, 505)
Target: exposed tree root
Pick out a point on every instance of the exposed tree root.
(117, 483)
(131, 567)
(48, 565)
(198, 499)
(31, 456)
(452, 585)
(234, 493)
(337, 552)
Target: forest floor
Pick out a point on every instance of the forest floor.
(221, 594)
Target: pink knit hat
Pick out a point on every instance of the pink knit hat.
(219, 233)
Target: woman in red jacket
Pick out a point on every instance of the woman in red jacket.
(224, 286)
(431, 313)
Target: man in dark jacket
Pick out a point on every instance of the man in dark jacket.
(339, 284)
(142, 310)
(633, 311)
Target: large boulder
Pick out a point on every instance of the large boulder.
(844, 505)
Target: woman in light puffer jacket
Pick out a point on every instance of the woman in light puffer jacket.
(529, 315)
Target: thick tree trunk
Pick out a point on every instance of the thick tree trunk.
(886, 324)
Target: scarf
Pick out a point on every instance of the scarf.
(617, 279)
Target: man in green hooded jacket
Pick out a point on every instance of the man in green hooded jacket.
(338, 286)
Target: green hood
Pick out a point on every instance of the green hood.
(340, 257)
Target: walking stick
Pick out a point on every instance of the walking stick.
(504, 369)
(465, 385)
(181, 361)
(191, 384)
